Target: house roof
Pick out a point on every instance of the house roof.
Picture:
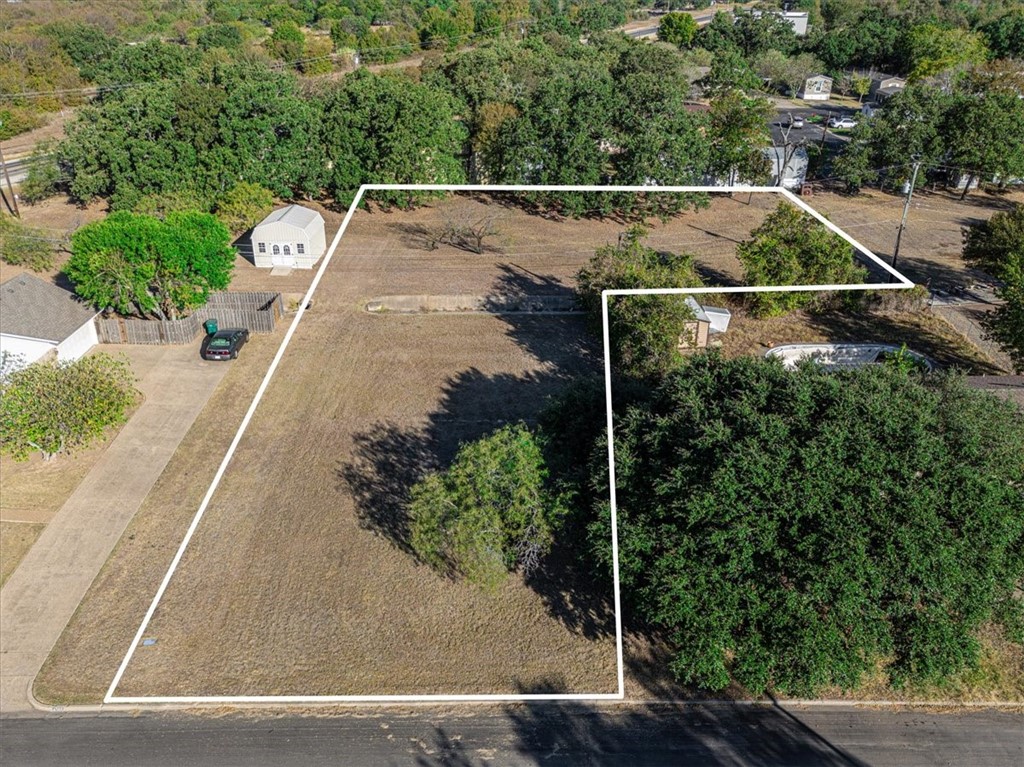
(881, 78)
(33, 308)
(819, 77)
(295, 215)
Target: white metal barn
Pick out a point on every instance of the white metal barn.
(292, 236)
(38, 318)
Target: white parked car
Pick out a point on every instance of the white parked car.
(841, 122)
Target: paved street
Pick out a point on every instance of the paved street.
(528, 735)
(42, 594)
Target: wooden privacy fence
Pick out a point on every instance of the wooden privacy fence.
(257, 310)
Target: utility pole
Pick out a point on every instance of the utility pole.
(903, 222)
(14, 197)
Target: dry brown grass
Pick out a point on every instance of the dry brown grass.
(298, 580)
(931, 246)
(16, 538)
(34, 490)
(921, 331)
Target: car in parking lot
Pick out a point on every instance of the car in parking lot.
(841, 122)
(796, 121)
(224, 344)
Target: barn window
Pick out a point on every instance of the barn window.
(287, 250)
(263, 247)
(277, 250)
(300, 249)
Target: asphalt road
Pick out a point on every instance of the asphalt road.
(527, 735)
(811, 132)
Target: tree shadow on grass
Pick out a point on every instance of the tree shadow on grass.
(389, 458)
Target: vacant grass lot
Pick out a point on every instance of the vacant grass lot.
(298, 580)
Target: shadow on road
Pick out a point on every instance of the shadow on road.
(579, 734)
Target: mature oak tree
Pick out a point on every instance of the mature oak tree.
(792, 530)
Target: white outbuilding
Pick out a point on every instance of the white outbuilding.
(292, 236)
(38, 318)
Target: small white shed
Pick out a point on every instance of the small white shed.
(292, 236)
(38, 317)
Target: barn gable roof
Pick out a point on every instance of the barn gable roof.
(33, 308)
(294, 215)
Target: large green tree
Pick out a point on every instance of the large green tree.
(390, 129)
(644, 331)
(240, 122)
(985, 135)
(792, 530)
(739, 134)
(678, 29)
(997, 247)
(934, 49)
(791, 248)
(137, 264)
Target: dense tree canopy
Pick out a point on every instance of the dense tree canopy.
(137, 264)
(644, 331)
(791, 248)
(790, 530)
(243, 122)
(997, 247)
(388, 129)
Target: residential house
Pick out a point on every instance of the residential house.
(816, 88)
(788, 172)
(796, 19)
(885, 87)
(39, 319)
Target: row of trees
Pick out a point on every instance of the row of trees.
(900, 38)
(545, 111)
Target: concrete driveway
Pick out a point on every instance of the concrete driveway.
(42, 594)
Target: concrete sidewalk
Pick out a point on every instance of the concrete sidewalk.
(40, 597)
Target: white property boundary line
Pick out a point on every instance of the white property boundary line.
(901, 283)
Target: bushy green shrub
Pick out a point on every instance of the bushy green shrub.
(489, 512)
(59, 407)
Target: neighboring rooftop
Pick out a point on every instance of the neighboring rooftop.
(33, 308)
(296, 215)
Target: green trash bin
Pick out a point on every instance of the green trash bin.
(211, 327)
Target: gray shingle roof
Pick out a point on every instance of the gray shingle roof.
(295, 215)
(33, 308)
